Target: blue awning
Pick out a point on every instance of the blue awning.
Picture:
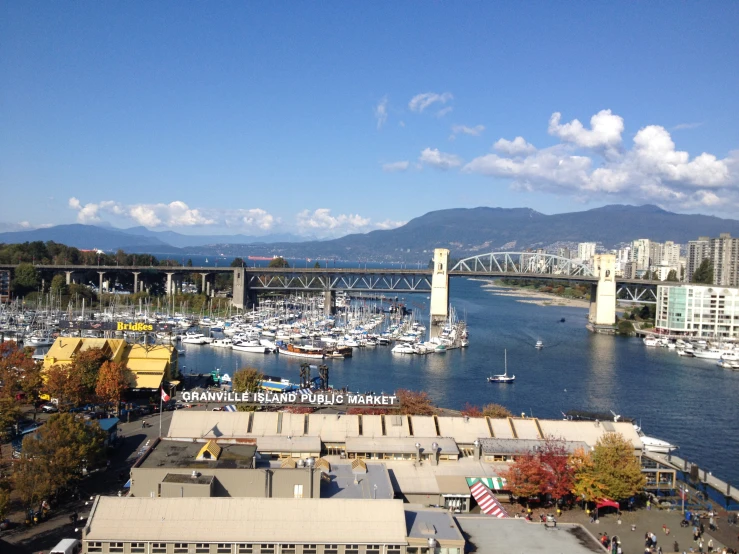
(127, 485)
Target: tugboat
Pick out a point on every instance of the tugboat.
(504, 378)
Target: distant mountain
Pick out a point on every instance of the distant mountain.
(87, 237)
(467, 232)
(180, 240)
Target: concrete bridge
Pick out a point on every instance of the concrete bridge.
(248, 281)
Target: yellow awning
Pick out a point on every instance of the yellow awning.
(147, 381)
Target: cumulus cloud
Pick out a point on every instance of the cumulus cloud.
(396, 166)
(323, 223)
(584, 165)
(475, 131)
(422, 101)
(439, 160)
(381, 113)
(173, 214)
(515, 147)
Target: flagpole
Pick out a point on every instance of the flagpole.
(161, 403)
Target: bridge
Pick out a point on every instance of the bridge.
(606, 289)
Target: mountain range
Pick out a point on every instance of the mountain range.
(464, 231)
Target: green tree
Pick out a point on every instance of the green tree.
(278, 262)
(59, 285)
(247, 379)
(672, 276)
(611, 471)
(704, 274)
(189, 262)
(4, 498)
(25, 279)
(238, 262)
(317, 265)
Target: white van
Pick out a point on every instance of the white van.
(67, 546)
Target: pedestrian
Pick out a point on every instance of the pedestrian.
(649, 504)
(710, 545)
(676, 547)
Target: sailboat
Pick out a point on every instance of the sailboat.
(504, 378)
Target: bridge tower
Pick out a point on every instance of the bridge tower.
(242, 296)
(603, 294)
(439, 292)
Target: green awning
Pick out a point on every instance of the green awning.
(493, 483)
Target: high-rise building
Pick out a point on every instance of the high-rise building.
(697, 310)
(640, 253)
(564, 253)
(655, 253)
(724, 254)
(586, 251)
(670, 253)
(697, 252)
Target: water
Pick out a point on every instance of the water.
(687, 401)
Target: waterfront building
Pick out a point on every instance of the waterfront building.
(266, 526)
(697, 252)
(151, 365)
(698, 310)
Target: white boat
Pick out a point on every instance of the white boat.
(686, 352)
(708, 353)
(250, 346)
(222, 343)
(268, 344)
(403, 348)
(504, 378)
(195, 339)
(728, 364)
(652, 444)
(649, 341)
(539, 345)
(299, 351)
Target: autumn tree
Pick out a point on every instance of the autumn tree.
(87, 364)
(471, 411)
(559, 473)
(414, 403)
(586, 485)
(113, 379)
(278, 262)
(496, 411)
(612, 471)
(247, 379)
(18, 370)
(32, 481)
(57, 452)
(4, 498)
(526, 477)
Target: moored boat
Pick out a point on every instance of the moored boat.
(503, 378)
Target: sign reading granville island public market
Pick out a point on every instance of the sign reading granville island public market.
(293, 398)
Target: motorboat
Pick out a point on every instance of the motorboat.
(300, 351)
(686, 352)
(539, 345)
(652, 444)
(728, 364)
(650, 341)
(268, 344)
(194, 338)
(251, 346)
(222, 343)
(403, 348)
(504, 378)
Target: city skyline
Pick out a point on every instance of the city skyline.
(238, 119)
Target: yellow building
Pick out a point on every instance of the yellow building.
(150, 364)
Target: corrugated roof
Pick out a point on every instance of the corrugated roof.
(358, 466)
(392, 445)
(138, 351)
(297, 445)
(212, 448)
(464, 430)
(249, 520)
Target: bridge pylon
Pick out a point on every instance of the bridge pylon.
(439, 292)
(603, 294)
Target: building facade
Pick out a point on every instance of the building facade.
(724, 254)
(586, 251)
(697, 252)
(698, 310)
(4, 285)
(640, 254)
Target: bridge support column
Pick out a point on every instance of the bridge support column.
(439, 292)
(100, 289)
(329, 302)
(603, 294)
(69, 277)
(169, 288)
(135, 281)
(238, 289)
(204, 286)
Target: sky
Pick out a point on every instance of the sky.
(322, 119)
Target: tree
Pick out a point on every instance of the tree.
(610, 471)
(113, 379)
(526, 477)
(59, 285)
(496, 411)
(559, 472)
(25, 279)
(189, 262)
(414, 403)
(247, 379)
(238, 262)
(55, 383)
(4, 499)
(672, 276)
(278, 262)
(317, 265)
(471, 411)
(32, 481)
(704, 274)
(58, 451)
(87, 364)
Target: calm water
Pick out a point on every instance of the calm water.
(689, 402)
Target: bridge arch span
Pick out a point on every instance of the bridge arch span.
(523, 262)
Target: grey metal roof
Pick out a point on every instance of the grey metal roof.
(181, 454)
(391, 445)
(423, 524)
(522, 446)
(341, 482)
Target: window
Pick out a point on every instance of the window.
(393, 549)
(351, 549)
(298, 491)
(331, 549)
(223, 548)
(202, 548)
(373, 549)
(244, 548)
(287, 548)
(94, 547)
(138, 548)
(180, 548)
(115, 547)
(159, 548)
(309, 549)
(268, 549)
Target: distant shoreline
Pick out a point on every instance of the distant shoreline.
(531, 296)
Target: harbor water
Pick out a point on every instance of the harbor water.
(686, 401)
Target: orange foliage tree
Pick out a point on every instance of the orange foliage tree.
(414, 403)
(113, 379)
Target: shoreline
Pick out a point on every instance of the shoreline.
(526, 296)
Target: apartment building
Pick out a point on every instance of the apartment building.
(698, 310)
(724, 254)
(640, 254)
(697, 252)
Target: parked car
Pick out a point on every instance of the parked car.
(49, 408)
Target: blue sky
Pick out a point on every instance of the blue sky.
(335, 117)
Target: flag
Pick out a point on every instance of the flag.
(165, 396)
(682, 493)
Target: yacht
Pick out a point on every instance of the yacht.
(652, 444)
(504, 378)
(222, 343)
(403, 348)
(299, 351)
(539, 345)
(252, 346)
(194, 338)
(650, 341)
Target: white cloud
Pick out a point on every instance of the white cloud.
(586, 165)
(422, 101)
(605, 131)
(439, 160)
(322, 223)
(173, 214)
(515, 147)
(381, 113)
(443, 111)
(396, 166)
(475, 131)
(681, 126)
